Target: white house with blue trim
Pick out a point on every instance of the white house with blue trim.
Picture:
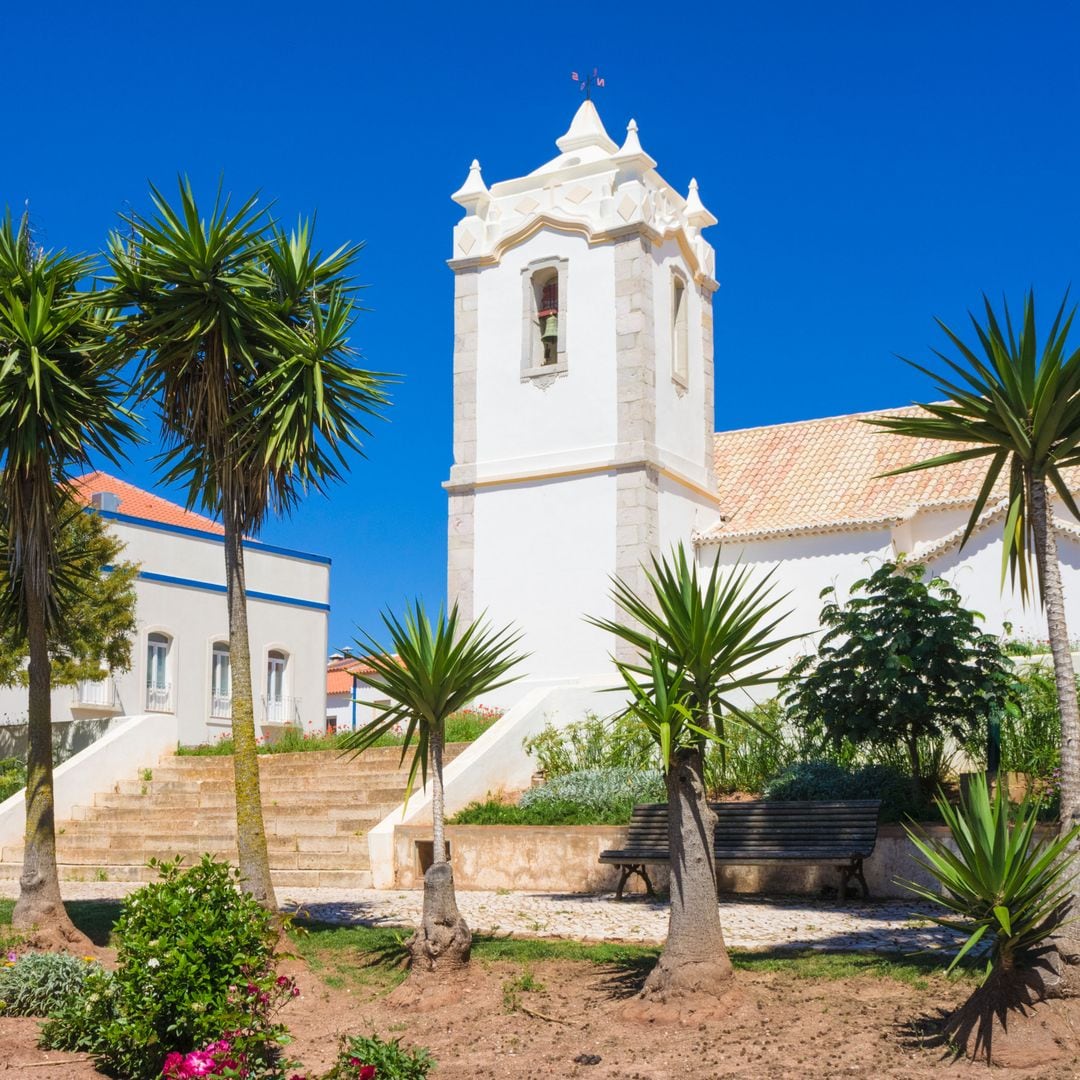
(180, 661)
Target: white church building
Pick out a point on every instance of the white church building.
(585, 438)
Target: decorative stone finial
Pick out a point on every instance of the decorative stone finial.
(586, 129)
(473, 193)
(696, 213)
(630, 153)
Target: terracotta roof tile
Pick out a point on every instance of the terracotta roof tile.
(823, 475)
(339, 674)
(134, 502)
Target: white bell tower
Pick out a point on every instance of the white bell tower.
(583, 390)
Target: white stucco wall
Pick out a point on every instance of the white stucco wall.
(521, 426)
(680, 410)
(544, 552)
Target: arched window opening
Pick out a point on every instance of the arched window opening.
(158, 675)
(278, 706)
(680, 362)
(220, 682)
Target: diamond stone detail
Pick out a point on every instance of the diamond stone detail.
(526, 205)
(467, 242)
(627, 207)
(579, 194)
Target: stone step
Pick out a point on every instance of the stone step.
(314, 784)
(283, 878)
(133, 818)
(219, 836)
(140, 854)
(385, 755)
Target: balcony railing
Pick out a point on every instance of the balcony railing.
(159, 699)
(95, 694)
(285, 710)
(221, 706)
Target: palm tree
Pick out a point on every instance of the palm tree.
(430, 672)
(59, 394)
(244, 338)
(1017, 407)
(701, 645)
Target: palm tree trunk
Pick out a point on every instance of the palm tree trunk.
(1053, 598)
(443, 941)
(250, 830)
(438, 796)
(40, 905)
(694, 963)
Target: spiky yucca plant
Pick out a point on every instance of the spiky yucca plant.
(1005, 887)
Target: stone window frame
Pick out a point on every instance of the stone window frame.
(679, 281)
(531, 369)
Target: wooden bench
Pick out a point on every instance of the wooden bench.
(752, 833)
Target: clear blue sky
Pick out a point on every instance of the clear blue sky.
(871, 166)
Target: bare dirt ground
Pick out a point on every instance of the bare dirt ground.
(780, 1026)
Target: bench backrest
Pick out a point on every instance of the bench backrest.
(765, 829)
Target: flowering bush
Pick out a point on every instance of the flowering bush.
(371, 1058)
(36, 984)
(194, 967)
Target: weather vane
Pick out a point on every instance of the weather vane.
(588, 82)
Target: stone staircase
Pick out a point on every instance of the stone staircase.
(318, 808)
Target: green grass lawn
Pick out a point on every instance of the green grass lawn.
(372, 959)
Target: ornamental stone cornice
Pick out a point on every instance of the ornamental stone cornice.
(592, 189)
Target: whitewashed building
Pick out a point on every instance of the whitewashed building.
(180, 659)
(584, 432)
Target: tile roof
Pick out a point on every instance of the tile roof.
(824, 476)
(339, 674)
(134, 502)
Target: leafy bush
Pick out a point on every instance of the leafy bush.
(900, 662)
(37, 984)
(12, 777)
(372, 1058)
(592, 743)
(827, 781)
(194, 965)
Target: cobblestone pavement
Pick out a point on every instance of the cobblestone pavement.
(753, 923)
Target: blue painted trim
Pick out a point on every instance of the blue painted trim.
(202, 534)
(214, 587)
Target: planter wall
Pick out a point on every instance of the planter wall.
(564, 859)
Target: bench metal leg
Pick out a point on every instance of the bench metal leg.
(627, 870)
(847, 872)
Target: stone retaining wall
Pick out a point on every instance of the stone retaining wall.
(564, 859)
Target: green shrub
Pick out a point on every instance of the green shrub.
(592, 743)
(193, 962)
(548, 812)
(827, 781)
(751, 756)
(390, 1061)
(12, 777)
(599, 790)
(37, 984)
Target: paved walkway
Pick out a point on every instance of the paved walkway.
(754, 923)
